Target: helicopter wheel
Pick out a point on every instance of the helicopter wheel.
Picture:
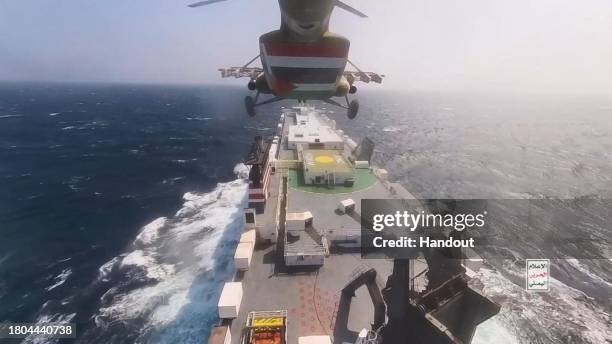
(353, 108)
(252, 85)
(249, 104)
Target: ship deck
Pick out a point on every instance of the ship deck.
(310, 295)
(323, 205)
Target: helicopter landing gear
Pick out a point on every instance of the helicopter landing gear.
(353, 109)
(249, 104)
(252, 85)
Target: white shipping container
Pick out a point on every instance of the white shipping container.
(230, 300)
(314, 340)
(382, 174)
(298, 221)
(362, 164)
(346, 206)
(249, 236)
(243, 255)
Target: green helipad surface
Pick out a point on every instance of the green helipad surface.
(364, 178)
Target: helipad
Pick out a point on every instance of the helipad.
(364, 179)
(325, 161)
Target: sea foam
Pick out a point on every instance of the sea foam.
(178, 265)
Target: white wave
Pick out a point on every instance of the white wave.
(556, 316)
(70, 127)
(149, 263)
(493, 331)
(593, 277)
(46, 319)
(54, 114)
(5, 258)
(184, 161)
(185, 259)
(198, 118)
(173, 180)
(9, 116)
(391, 129)
(241, 171)
(74, 181)
(105, 270)
(150, 232)
(60, 279)
(257, 128)
(194, 201)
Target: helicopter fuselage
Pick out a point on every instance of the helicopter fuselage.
(303, 69)
(303, 60)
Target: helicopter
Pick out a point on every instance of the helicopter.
(302, 60)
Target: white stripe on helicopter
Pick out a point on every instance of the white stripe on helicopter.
(315, 87)
(305, 62)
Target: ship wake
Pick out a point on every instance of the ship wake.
(166, 286)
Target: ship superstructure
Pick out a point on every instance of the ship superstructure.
(299, 253)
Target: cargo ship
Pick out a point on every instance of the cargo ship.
(300, 276)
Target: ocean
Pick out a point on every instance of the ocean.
(120, 205)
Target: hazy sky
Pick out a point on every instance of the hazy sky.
(499, 45)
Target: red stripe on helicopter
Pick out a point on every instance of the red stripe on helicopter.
(306, 49)
(282, 87)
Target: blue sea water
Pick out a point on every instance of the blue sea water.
(84, 167)
(120, 205)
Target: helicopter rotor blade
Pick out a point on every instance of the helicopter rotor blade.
(350, 9)
(204, 3)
